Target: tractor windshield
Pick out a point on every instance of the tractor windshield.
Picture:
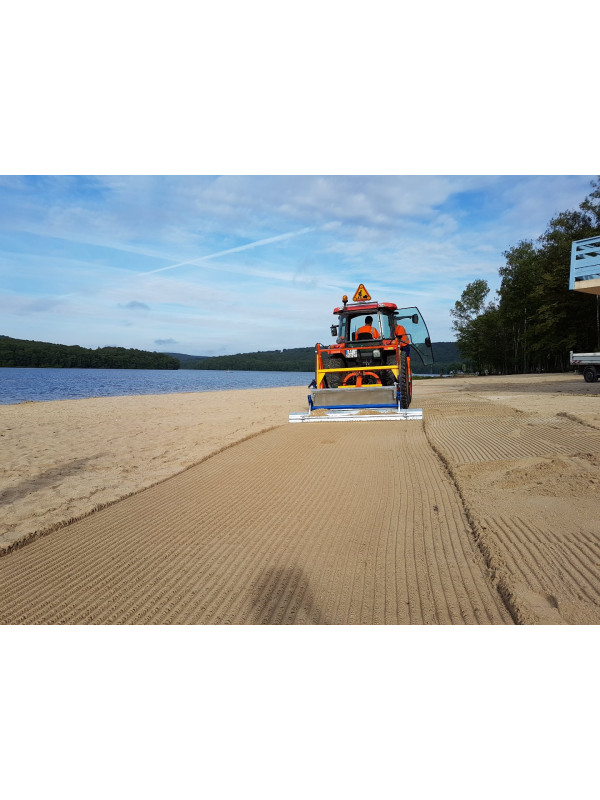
(417, 333)
(382, 323)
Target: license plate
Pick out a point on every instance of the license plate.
(351, 353)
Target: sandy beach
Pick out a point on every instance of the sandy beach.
(64, 459)
(493, 495)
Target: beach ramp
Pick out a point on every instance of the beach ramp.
(302, 524)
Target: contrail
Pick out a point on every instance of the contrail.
(248, 246)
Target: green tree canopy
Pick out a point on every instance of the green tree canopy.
(27, 353)
(536, 319)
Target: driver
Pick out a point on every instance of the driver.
(368, 328)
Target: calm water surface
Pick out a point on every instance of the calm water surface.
(19, 384)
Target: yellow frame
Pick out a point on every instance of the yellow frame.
(320, 371)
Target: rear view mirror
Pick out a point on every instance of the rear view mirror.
(415, 319)
(334, 330)
(428, 342)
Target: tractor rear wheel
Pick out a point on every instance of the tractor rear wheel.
(387, 376)
(404, 383)
(334, 379)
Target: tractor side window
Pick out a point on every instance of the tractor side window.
(417, 334)
(342, 327)
(386, 328)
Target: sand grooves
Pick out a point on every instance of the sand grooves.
(323, 524)
(529, 482)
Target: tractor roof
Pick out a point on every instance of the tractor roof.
(360, 308)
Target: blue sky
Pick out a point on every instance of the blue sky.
(216, 265)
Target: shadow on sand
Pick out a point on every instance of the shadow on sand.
(44, 479)
(283, 597)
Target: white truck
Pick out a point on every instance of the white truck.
(586, 363)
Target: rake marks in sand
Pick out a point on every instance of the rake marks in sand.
(343, 525)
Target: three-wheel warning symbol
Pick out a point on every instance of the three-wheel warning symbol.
(361, 294)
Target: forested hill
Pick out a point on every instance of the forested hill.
(26, 353)
(302, 359)
(298, 359)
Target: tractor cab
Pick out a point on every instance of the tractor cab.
(353, 318)
(404, 325)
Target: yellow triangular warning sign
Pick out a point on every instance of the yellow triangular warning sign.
(361, 294)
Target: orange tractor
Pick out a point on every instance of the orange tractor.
(366, 373)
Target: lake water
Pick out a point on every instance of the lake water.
(18, 384)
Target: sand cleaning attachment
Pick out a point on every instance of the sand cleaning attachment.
(359, 404)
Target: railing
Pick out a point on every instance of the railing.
(585, 260)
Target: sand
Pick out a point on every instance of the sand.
(61, 460)
(210, 508)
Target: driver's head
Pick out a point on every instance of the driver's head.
(368, 320)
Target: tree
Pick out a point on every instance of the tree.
(467, 312)
(537, 318)
(517, 300)
(565, 319)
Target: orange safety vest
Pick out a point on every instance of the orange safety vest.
(367, 329)
(402, 335)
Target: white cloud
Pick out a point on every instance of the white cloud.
(205, 255)
(135, 305)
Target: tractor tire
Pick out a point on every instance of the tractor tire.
(387, 376)
(590, 375)
(334, 379)
(404, 386)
